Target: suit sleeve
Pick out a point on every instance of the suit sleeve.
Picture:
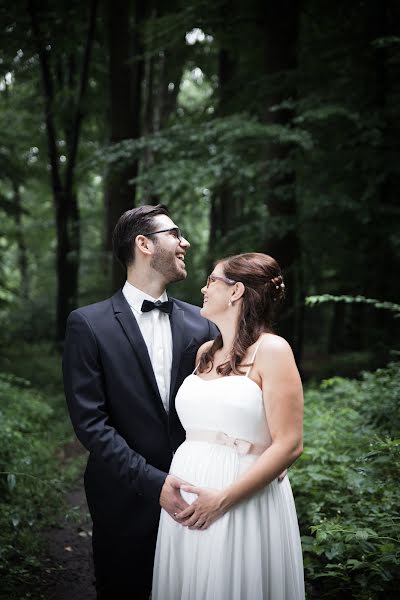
(85, 395)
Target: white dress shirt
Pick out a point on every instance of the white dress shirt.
(156, 331)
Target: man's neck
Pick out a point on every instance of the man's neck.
(142, 282)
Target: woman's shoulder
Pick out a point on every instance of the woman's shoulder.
(204, 348)
(270, 344)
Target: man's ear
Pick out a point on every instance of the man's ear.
(143, 243)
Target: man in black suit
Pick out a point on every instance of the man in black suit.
(124, 360)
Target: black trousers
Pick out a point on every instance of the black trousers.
(123, 565)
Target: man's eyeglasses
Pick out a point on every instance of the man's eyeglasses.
(212, 278)
(174, 230)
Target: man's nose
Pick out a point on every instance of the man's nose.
(184, 243)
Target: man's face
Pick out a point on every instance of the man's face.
(169, 251)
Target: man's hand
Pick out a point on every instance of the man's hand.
(170, 497)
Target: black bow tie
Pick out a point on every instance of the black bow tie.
(166, 306)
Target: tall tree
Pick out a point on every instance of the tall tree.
(280, 24)
(60, 70)
(225, 209)
(382, 25)
(126, 68)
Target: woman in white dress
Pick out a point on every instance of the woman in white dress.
(242, 410)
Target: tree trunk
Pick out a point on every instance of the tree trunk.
(126, 67)
(149, 101)
(170, 79)
(22, 249)
(68, 243)
(226, 208)
(64, 195)
(280, 25)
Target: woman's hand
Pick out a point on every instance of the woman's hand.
(205, 510)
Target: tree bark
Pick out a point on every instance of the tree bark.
(226, 208)
(21, 244)
(280, 23)
(64, 194)
(126, 67)
(149, 102)
(170, 73)
(383, 21)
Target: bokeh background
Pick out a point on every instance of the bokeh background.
(263, 126)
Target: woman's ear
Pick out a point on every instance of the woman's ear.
(238, 291)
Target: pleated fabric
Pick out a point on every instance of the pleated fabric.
(253, 552)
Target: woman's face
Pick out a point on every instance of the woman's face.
(217, 293)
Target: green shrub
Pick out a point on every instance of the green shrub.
(29, 489)
(346, 487)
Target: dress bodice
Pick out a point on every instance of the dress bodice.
(232, 404)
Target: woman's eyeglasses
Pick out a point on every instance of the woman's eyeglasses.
(212, 278)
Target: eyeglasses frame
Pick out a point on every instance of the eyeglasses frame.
(179, 234)
(219, 278)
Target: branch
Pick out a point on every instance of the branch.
(48, 98)
(77, 119)
(380, 304)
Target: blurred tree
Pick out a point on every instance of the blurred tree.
(226, 202)
(65, 74)
(348, 99)
(382, 22)
(126, 69)
(263, 128)
(280, 26)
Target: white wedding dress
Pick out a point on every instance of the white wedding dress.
(253, 552)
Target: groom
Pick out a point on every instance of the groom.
(123, 362)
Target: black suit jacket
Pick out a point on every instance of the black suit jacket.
(116, 408)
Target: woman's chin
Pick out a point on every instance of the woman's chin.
(203, 311)
(207, 313)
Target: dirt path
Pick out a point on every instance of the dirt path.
(69, 575)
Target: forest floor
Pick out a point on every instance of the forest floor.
(69, 575)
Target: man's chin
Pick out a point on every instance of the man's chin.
(182, 271)
(181, 276)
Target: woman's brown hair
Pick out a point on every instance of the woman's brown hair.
(264, 290)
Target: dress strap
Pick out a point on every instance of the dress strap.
(254, 356)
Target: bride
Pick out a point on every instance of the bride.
(242, 409)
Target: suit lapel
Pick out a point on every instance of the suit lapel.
(129, 324)
(177, 320)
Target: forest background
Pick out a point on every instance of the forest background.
(263, 126)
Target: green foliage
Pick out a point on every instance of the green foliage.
(33, 427)
(342, 125)
(379, 396)
(390, 306)
(346, 487)
(208, 152)
(28, 487)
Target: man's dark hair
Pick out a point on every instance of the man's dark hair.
(134, 222)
